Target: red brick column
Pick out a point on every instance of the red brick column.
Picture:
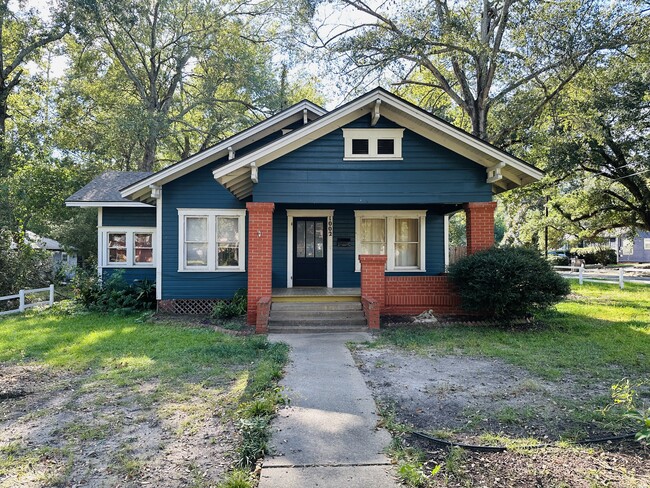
(260, 254)
(373, 278)
(479, 226)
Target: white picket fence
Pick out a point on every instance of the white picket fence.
(618, 274)
(23, 305)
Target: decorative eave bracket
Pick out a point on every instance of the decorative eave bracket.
(155, 191)
(375, 113)
(494, 172)
(254, 177)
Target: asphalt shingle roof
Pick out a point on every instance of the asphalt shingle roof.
(106, 187)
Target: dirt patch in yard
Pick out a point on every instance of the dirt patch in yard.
(70, 429)
(487, 402)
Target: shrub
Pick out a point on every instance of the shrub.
(595, 255)
(506, 283)
(114, 294)
(227, 309)
(558, 260)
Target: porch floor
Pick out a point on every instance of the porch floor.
(315, 291)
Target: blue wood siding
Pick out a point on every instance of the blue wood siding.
(317, 174)
(131, 274)
(343, 257)
(194, 190)
(639, 255)
(129, 216)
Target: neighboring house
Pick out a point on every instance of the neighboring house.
(354, 201)
(62, 259)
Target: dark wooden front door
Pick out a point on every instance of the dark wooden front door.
(309, 251)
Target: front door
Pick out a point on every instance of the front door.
(309, 251)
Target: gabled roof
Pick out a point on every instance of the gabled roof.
(504, 170)
(104, 191)
(303, 110)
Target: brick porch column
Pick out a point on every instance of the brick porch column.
(260, 254)
(373, 278)
(479, 226)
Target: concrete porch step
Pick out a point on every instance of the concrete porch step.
(315, 306)
(316, 320)
(312, 329)
(324, 315)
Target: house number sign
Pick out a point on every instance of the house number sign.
(330, 227)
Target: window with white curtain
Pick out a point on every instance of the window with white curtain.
(127, 247)
(211, 239)
(397, 234)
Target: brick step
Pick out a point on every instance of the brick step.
(315, 306)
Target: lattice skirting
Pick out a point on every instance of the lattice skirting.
(202, 306)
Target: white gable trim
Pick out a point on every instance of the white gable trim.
(233, 174)
(228, 147)
(107, 204)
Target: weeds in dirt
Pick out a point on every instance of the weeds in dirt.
(239, 478)
(189, 385)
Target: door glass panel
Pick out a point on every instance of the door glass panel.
(319, 239)
(300, 238)
(309, 239)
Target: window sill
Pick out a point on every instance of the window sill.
(405, 270)
(373, 158)
(204, 270)
(119, 266)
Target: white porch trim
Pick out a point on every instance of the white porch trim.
(329, 214)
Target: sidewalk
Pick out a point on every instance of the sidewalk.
(327, 437)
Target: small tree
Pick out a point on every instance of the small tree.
(506, 283)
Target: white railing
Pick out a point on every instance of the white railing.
(618, 275)
(23, 305)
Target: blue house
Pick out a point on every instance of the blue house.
(309, 206)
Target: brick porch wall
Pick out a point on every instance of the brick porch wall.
(415, 294)
(260, 254)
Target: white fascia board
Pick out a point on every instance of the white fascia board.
(337, 119)
(107, 204)
(468, 139)
(219, 150)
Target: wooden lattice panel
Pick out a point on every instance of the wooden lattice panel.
(194, 307)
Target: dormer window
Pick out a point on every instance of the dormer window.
(373, 144)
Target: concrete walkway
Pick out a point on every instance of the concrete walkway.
(328, 436)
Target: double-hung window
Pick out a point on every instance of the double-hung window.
(127, 247)
(211, 239)
(397, 234)
(373, 144)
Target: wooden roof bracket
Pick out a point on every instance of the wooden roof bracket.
(254, 177)
(494, 172)
(375, 113)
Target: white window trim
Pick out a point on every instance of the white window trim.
(373, 135)
(329, 214)
(211, 214)
(646, 244)
(102, 247)
(390, 216)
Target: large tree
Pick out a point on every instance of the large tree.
(486, 56)
(164, 63)
(23, 35)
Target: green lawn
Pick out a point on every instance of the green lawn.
(600, 332)
(130, 394)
